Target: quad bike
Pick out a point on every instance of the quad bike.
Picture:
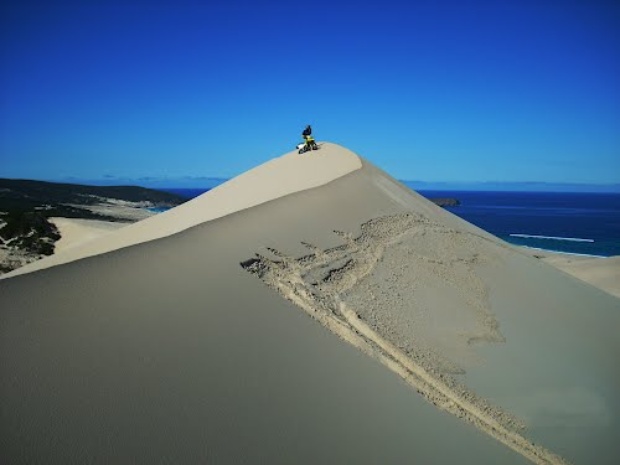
(310, 144)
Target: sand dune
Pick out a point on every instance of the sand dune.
(273, 179)
(75, 232)
(603, 273)
(338, 319)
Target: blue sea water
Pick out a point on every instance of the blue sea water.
(577, 223)
(185, 192)
(158, 209)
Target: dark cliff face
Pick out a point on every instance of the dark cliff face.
(446, 202)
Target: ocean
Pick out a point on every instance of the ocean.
(576, 223)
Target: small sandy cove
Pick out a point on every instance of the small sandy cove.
(311, 310)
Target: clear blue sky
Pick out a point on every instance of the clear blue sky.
(432, 91)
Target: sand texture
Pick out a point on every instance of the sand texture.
(343, 321)
(405, 291)
(75, 232)
(603, 273)
(266, 182)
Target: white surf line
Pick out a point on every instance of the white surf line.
(559, 252)
(555, 238)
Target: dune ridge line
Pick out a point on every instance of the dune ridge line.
(275, 178)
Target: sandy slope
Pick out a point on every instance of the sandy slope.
(420, 287)
(603, 273)
(75, 232)
(278, 177)
(183, 349)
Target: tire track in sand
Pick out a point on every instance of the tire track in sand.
(317, 282)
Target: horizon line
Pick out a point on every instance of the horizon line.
(209, 182)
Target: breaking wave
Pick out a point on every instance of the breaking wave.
(569, 239)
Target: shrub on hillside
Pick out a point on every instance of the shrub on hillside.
(30, 231)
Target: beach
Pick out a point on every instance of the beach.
(311, 310)
(601, 272)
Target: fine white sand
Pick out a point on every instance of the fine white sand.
(271, 180)
(603, 273)
(343, 320)
(75, 232)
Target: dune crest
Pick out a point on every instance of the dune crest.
(489, 350)
(281, 176)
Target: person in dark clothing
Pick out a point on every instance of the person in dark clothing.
(307, 135)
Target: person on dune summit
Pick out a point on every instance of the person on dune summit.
(307, 132)
(307, 136)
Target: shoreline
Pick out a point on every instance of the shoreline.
(560, 252)
(598, 271)
(570, 254)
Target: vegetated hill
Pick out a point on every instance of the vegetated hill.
(57, 199)
(26, 234)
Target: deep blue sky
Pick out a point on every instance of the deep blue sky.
(432, 91)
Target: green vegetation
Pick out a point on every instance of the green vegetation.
(26, 195)
(30, 232)
(26, 234)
